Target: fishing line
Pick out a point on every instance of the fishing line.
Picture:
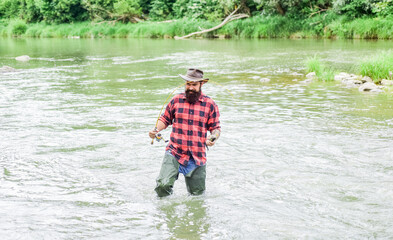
(223, 88)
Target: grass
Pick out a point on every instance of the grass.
(261, 27)
(327, 25)
(367, 28)
(378, 67)
(106, 30)
(322, 72)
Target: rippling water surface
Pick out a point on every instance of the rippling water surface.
(295, 159)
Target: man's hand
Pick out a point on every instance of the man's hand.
(210, 142)
(152, 133)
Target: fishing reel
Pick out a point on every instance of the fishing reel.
(158, 137)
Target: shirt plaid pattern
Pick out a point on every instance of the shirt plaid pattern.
(190, 123)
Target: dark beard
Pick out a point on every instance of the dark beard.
(192, 97)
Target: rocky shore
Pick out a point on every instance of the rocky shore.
(362, 83)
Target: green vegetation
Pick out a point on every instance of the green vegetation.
(17, 27)
(314, 65)
(378, 67)
(118, 30)
(322, 72)
(253, 27)
(364, 19)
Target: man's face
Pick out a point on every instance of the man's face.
(193, 91)
(193, 86)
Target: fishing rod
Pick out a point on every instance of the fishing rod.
(158, 138)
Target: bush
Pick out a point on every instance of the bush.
(18, 27)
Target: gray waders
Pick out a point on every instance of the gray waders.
(169, 173)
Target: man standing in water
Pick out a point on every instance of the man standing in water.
(191, 115)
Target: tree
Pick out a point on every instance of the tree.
(60, 11)
(354, 8)
(203, 9)
(113, 10)
(293, 8)
(127, 10)
(383, 8)
(161, 9)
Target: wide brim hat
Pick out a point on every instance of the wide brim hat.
(194, 75)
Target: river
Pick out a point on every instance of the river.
(295, 160)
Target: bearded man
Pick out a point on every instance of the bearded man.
(192, 114)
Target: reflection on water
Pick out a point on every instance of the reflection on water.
(295, 159)
(186, 219)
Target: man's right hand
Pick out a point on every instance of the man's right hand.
(152, 133)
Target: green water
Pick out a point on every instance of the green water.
(295, 159)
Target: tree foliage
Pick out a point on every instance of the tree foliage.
(63, 11)
(383, 8)
(356, 8)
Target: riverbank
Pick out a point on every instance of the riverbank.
(326, 26)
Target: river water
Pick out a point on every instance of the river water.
(295, 159)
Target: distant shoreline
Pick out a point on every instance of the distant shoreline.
(257, 27)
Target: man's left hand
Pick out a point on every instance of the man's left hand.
(210, 141)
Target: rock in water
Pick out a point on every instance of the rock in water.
(5, 69)
(369, 87)
(311, 75)
(387, 82)
(341, 76)
(23, 58)
(366, 79)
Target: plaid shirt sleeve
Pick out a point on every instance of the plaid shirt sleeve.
(213, 121)
(168, 116)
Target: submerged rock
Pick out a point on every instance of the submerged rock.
(5, 69)
(385, 82)
(342, 76)
(369, 87)
(311, 75)
(366, 79)
(23, 58)
(352, 82)
(308, 80)
(296, 74)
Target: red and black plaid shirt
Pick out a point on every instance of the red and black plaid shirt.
(190, 125)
